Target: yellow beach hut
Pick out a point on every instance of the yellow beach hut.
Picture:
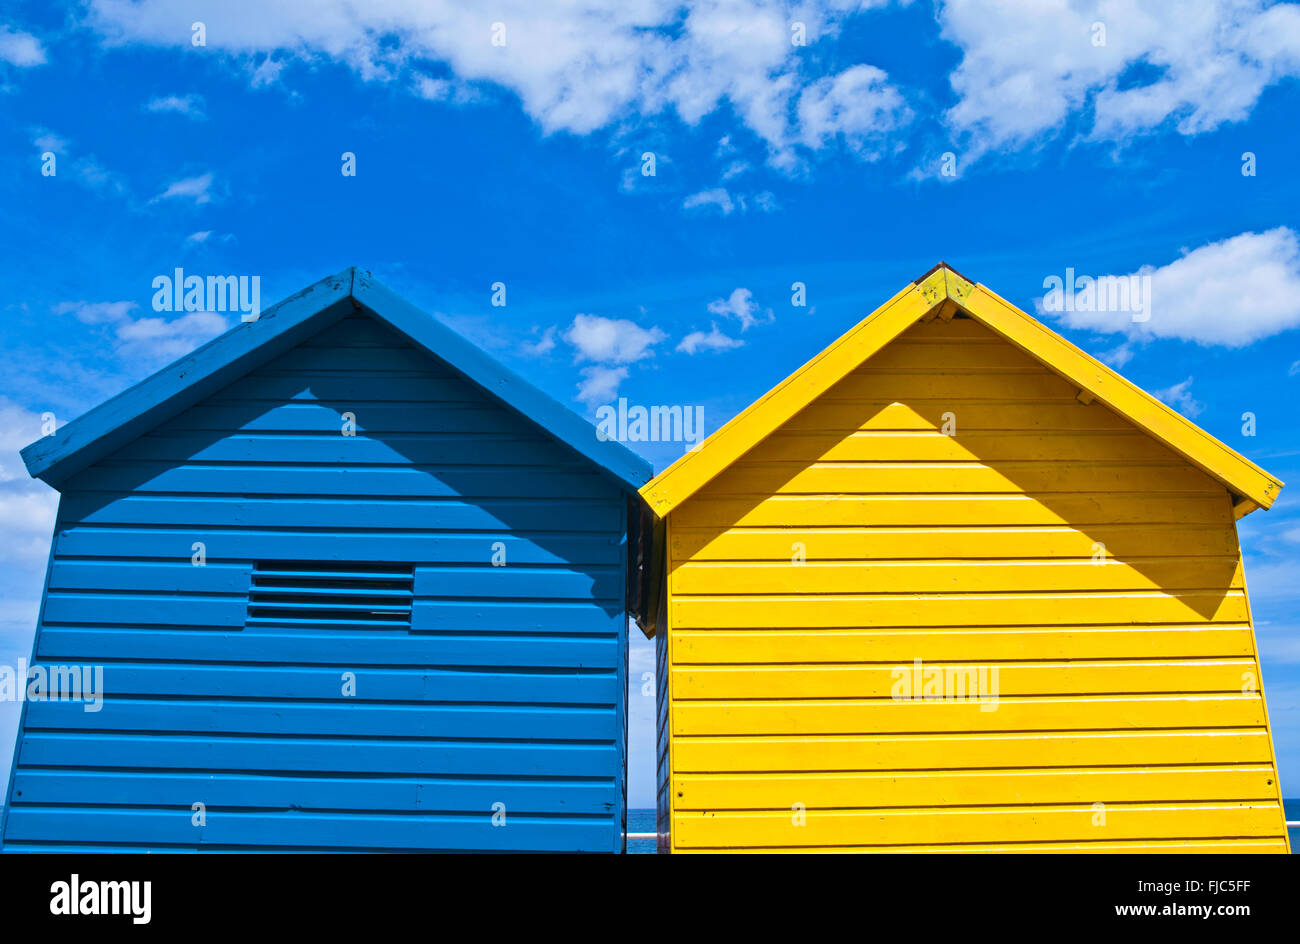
(955, 585)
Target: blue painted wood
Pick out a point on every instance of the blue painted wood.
(439, 623)
(60, 643)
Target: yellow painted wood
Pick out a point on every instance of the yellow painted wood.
(1075, 750)
(1135, 847)
(874, 543)
(974, 609)
(868, 478)
(1013, 678)
(958, 576)
(947, 389)
(1075, 823)
(1051, 536)
(757, 647)
(1048, 713)
(988, 448)
(981, 416)
(1004, 787)
(949, 510)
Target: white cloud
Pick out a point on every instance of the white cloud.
(713, 340)
(20, 49)
(717, 197)
(86, 169)
(1027, 66)
(543, 345)
(49, 141)
(444, 90)
(150, 340)
(198, 189)
(1117, 357)
(157, 340)
(611, 340)
(96, 312)
(1179, 396)
(191, 106)
(1231, 293)
(858, 105)
(740, 305)
(200, 237)
(726, 203)
(600, 384)
(578, 66)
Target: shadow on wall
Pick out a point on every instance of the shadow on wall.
(1028, 471)
(429, 453)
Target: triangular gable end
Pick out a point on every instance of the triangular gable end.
(941, 293)
(248, 345)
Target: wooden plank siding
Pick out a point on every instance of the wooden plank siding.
(1095, 569)
(508, 685)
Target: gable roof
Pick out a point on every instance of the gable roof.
(250, 344)
(941, 293)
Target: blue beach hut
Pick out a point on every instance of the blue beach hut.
(353, 585)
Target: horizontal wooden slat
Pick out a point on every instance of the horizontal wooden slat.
(424, 448)
(373, 418)
(821, 791)
(230, 543)
(342, 755)
(817, 577)
(1037, 478)
(429, 515)
(456, 481)
(972, 609)
(347, 390)
(975, 446)
(430, 831)
(1015, 678)
(871, 543)
(520, 582)
(251, 791)
(1089, 847)
(340, 720)
(394, 359)
(950, 510)
(510, 616)
(963, 751)
(996, 824)
(182, 576)
(335, 647)
(125, 680)
(845, 716)
(899, 645)
(945, 355)
(886, 414)
(952, 387)
(145, 609)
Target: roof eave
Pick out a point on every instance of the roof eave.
(941, 293)
(115, 422)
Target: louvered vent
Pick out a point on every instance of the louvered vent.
(311, 594)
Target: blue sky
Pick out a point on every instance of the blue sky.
(1111, 151)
